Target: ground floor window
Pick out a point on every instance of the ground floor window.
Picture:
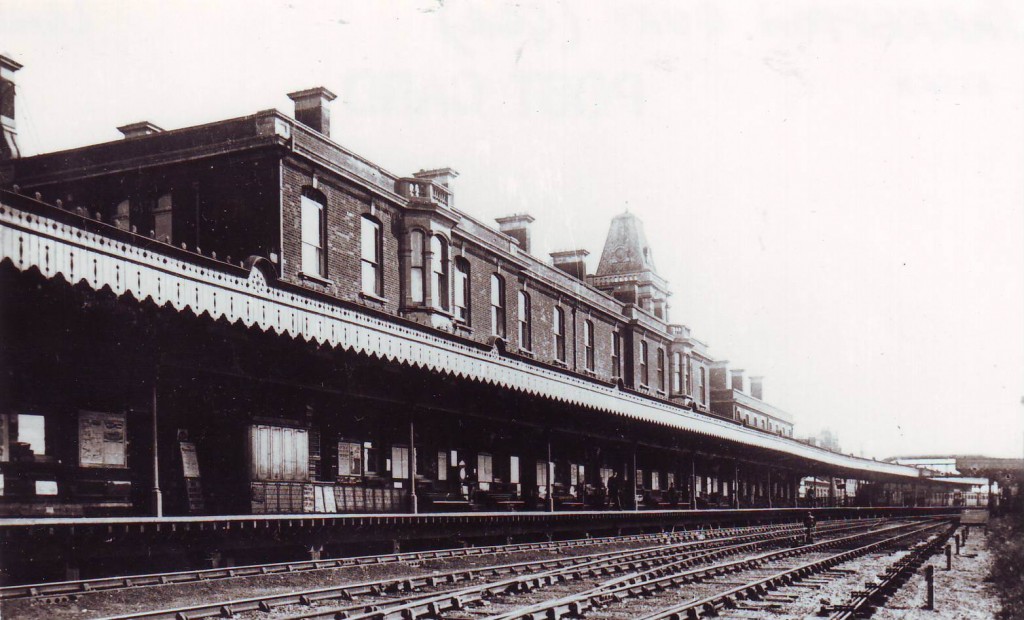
(442, 465)
(399, 462)
(278, 453)
(655, 481)
(513, 469)
(484, 468)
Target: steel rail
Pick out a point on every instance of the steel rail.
(710, 605)
(862, 602)
(660, 577)
(349, 591)
(82, 586)
(454, 600)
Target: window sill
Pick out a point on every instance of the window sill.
(372, 297)
(527, 353)
(559, 363)
(314, 278)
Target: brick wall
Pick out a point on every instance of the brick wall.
(345, 207)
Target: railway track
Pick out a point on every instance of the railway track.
(100, 584)
(760, 574)
(84, 586)
(462, 587)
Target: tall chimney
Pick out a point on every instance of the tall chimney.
(720, 375)
(737, 379)
(9, 139)
(572, 262)
(312, 109)
(757, 387)
(518, 227)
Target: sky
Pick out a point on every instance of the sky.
(835, 191)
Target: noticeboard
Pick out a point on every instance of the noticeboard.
(101, 439)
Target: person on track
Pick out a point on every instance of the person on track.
(809, 523)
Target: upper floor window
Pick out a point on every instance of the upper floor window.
(703, 387)
(616, 354)
(558, 326)
(439, 272)
(371, 256)
(687, 384)
(525, 323)
(661, 369)
(417, 272)
(497, 305)
(677, 373)
(588, 344)
(312, 223)
(644, 373)
(462, 289)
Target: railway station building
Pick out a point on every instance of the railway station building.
(245, 317)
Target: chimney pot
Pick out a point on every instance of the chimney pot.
(312, 109)
(517, 226)
(572, 262)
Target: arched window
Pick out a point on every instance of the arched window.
(687, 379)
(661, 369)
(588, 344)
(677, 373)
(313, 205)
(558, 326)
(417, 273)
(439, 272)
(497, 305)
(371, 257)
(525, 322)
(703, 387)
(644, 373)
(462, 289)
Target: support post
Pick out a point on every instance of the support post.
(831, 491)
(929, 577)
(769, 487)
(735, 483)
(949, 557)
(157, 496)
(693, 482)
(550, 475)
(636, 483)
(414, 507)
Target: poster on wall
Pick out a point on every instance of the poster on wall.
(101, 439)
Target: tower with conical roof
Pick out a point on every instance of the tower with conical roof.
(627, 271)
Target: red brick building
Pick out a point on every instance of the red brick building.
(247, 316)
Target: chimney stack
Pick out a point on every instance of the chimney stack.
(138, 130)
(312, 109)
(9, 138)
(441, 176)
(757, 387)
(518, 227)
(720, 375)
(737, 380)
(572, 262)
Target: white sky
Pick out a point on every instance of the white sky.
(835, 190)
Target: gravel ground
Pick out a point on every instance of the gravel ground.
(960, 594)
(119, 602)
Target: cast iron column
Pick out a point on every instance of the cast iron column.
(693, 482)
(158, 500)
(413, 502)
(549, 475)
